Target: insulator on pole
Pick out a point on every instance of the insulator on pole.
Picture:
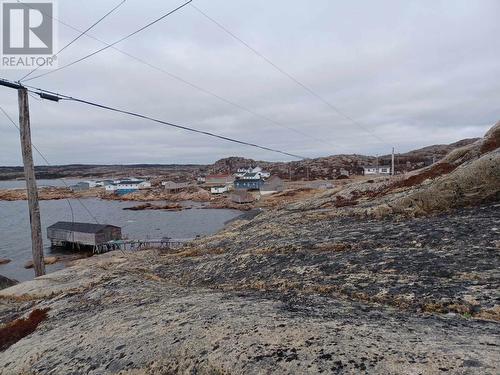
(46, 96)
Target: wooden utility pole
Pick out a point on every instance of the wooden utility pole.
(29, 175)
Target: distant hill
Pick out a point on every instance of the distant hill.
(319, 168)
(102, 171)
(330, 166)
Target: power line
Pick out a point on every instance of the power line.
(112, 44)
(79, 35)
(195, 86)
(57, 96)
(185, 127)
(60, 179)
(288, 75)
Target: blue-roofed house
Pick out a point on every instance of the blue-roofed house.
(249, 181)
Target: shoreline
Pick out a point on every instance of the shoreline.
(390, 276)
(136, 224)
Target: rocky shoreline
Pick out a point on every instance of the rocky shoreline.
(421, 299)
(383, 277)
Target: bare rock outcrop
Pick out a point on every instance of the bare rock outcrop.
(5, 282)
(334, 283)
(123, 314)
(468, 176)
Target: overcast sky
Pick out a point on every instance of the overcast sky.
(410, 73)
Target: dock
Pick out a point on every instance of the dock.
(135, 245)
(101, 238)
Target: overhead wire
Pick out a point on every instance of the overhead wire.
(82, 33)
(195, 86)
(190, 129)
(287, 74)
(39, 91)
(60, 179)
(112, 44)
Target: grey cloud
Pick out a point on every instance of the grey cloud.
(414, 73)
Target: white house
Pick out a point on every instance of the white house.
(219, 189)
(128, 185)
(383, 169)
(219, 183)
(131, 179)
(252, 171)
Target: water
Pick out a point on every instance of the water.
(15, 242)
(21, 184)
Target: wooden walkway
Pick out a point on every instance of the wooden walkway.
(134, 245)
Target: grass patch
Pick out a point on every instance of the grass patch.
(437, 170)
(16, 330)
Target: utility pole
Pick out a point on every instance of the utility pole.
(392, 162)
(29, 175)
(29, 170)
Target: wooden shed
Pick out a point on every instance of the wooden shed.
(273, 185)
(172, 186)
(65, 233)
(241, 197)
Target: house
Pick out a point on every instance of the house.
(272, 185)
(98, 183)
(219, 179)
(65, 233)
(371, 170)
(131, 179)
(127, 186)
(219, 189)
(242, 171)
(219, 183)
(251, 176)
(248, 183)
(81, 186)
(241, 197)
(172, 186)
(256, 171)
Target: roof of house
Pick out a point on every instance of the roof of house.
(218, 176)
(251, 175)
(217, 180)
(81, 227)
(176, 185)
(127, 182)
